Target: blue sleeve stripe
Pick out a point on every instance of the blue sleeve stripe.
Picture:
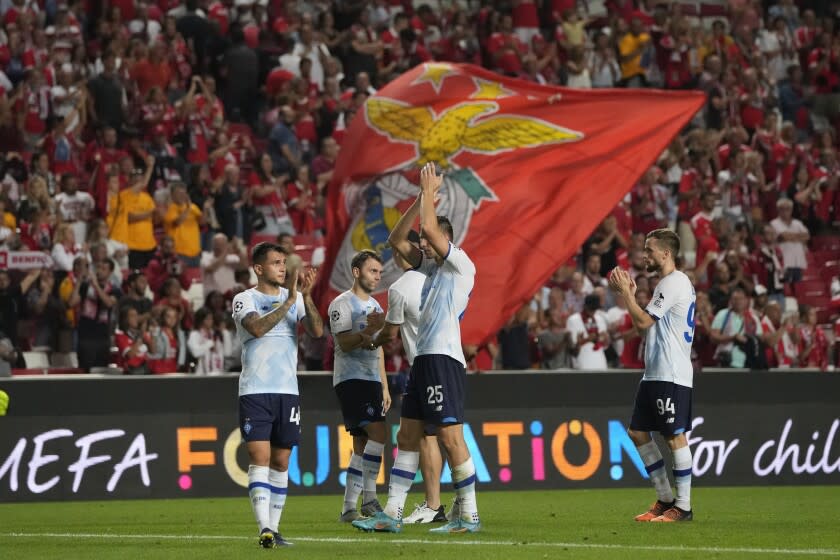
(655, 318)
(278, 490)
(265, 485)
(402, 474)
(682, 472)
(655, 467)
(448, 250)
(466, 482)
(371, 458)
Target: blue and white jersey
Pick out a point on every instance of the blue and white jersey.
(269, 363)
(348, 314)
(668, 341)
(404, 309)
(443, 301)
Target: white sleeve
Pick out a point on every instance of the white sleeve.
(243, 304)
(575, 327)
(665, 296)
(457, 260)
(341, 317)
(602, 324)
(300, 307)
(426, 266)
(396, 307)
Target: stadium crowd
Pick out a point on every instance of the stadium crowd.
(146, 145)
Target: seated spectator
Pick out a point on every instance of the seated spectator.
(219, 265)
(166, 265)
(592, 274)
(306, 203)
(74, 207)
(172, 297)
(65, 249)
(97, 306)
(135, 295)
(813, 344)
(134, 343)
(736, 331)
(10, 357)
(268, 198)
(98, 233)
(46, 309)
(183, 221)
(575, 294)
(633, 350)
(589, 338)
(206, 344)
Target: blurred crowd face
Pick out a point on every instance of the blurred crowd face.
(738, 301)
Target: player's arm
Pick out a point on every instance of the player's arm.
(430, 184)
(393, 319)
(622, 284)
(312, 322)
(386, 335)
(398, 239)
(383, 376)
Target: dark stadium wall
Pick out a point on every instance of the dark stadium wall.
(99, 438)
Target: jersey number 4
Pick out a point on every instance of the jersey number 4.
(689, 334)
(295, 415)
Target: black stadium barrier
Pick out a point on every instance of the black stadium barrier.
(164, 437)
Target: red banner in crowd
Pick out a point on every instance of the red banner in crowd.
(530, 171)
(24, 260)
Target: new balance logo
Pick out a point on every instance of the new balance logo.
(669, 421)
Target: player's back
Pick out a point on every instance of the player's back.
(269, 362)
(348, 313)
(404, 309)
(443, 301)
(668, 342)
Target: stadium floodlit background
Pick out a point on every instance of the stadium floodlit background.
(106, 106)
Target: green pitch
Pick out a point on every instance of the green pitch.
(751, 523)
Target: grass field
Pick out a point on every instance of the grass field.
(754, 523)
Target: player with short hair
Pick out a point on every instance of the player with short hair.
(663, 399)
(267, 318)
(360, 381)
(436, 385)
(403, 317)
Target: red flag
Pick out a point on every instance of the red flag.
(530, 171)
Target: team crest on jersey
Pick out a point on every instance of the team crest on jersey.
(659, 301)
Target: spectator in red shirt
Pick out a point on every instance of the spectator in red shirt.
(152, 69)
(169, 342)
(813, 345)
(134, 343)
(633, 354)
(506, 49)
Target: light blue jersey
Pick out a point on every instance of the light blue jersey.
(269, 363)
(668, 341)
(443, 301)
(348, 313)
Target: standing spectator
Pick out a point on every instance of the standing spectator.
(305, 203)
(630, 47)
(228, 201)
(813, 344)
(573, 302)
(240, 68)
(166, 265)
(12, 302)
(65, 248)
(768, 265)
(169, 346)
(506, 49)
(206, 344)
(151, 69)
(183, 221)
(589, 338)
(96, 309)
(592, 274)
(603, 66)
(283, 145)
(107, 102)
(515, 342)
(792, 238)
(138, 208)
(98, 233)
(46, 309)
(736, 330)
(553, 342)
(75, 207)
(632, 354)
(171, 296)
(219, 264)
(135, 295)
(268, 194)
(134, 343)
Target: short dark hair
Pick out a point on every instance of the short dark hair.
(667, 238)
(200, 315)
(362, 257)
(446, 227)
(592, 302)
(261, 250)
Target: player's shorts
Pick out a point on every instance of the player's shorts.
(662, 406)
(361, 404)
(435, 391)
(272, 417)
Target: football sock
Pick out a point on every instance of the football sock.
(402, 476)
(353, 486)
(463, 478)
(682, 477)
(260, 493)
(279, 482)
(371, 462)
(655, 467)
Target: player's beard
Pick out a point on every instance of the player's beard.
(366, 286)
(653, 267)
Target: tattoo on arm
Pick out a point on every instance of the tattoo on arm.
(258, 326)
(313, 323)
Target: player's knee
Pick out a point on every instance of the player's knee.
(452, 438)
(639, 438)
(408, 440)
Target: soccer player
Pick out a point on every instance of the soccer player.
(360, 382)
(404, 317)
(435, 390)
(663, 399)
(267, 318)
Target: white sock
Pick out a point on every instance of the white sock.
(682, 477)
(463, 478)
(260, 493)
(353, 486)
(402, 477)
(371, 463)
(655, 467)
(279, 482)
